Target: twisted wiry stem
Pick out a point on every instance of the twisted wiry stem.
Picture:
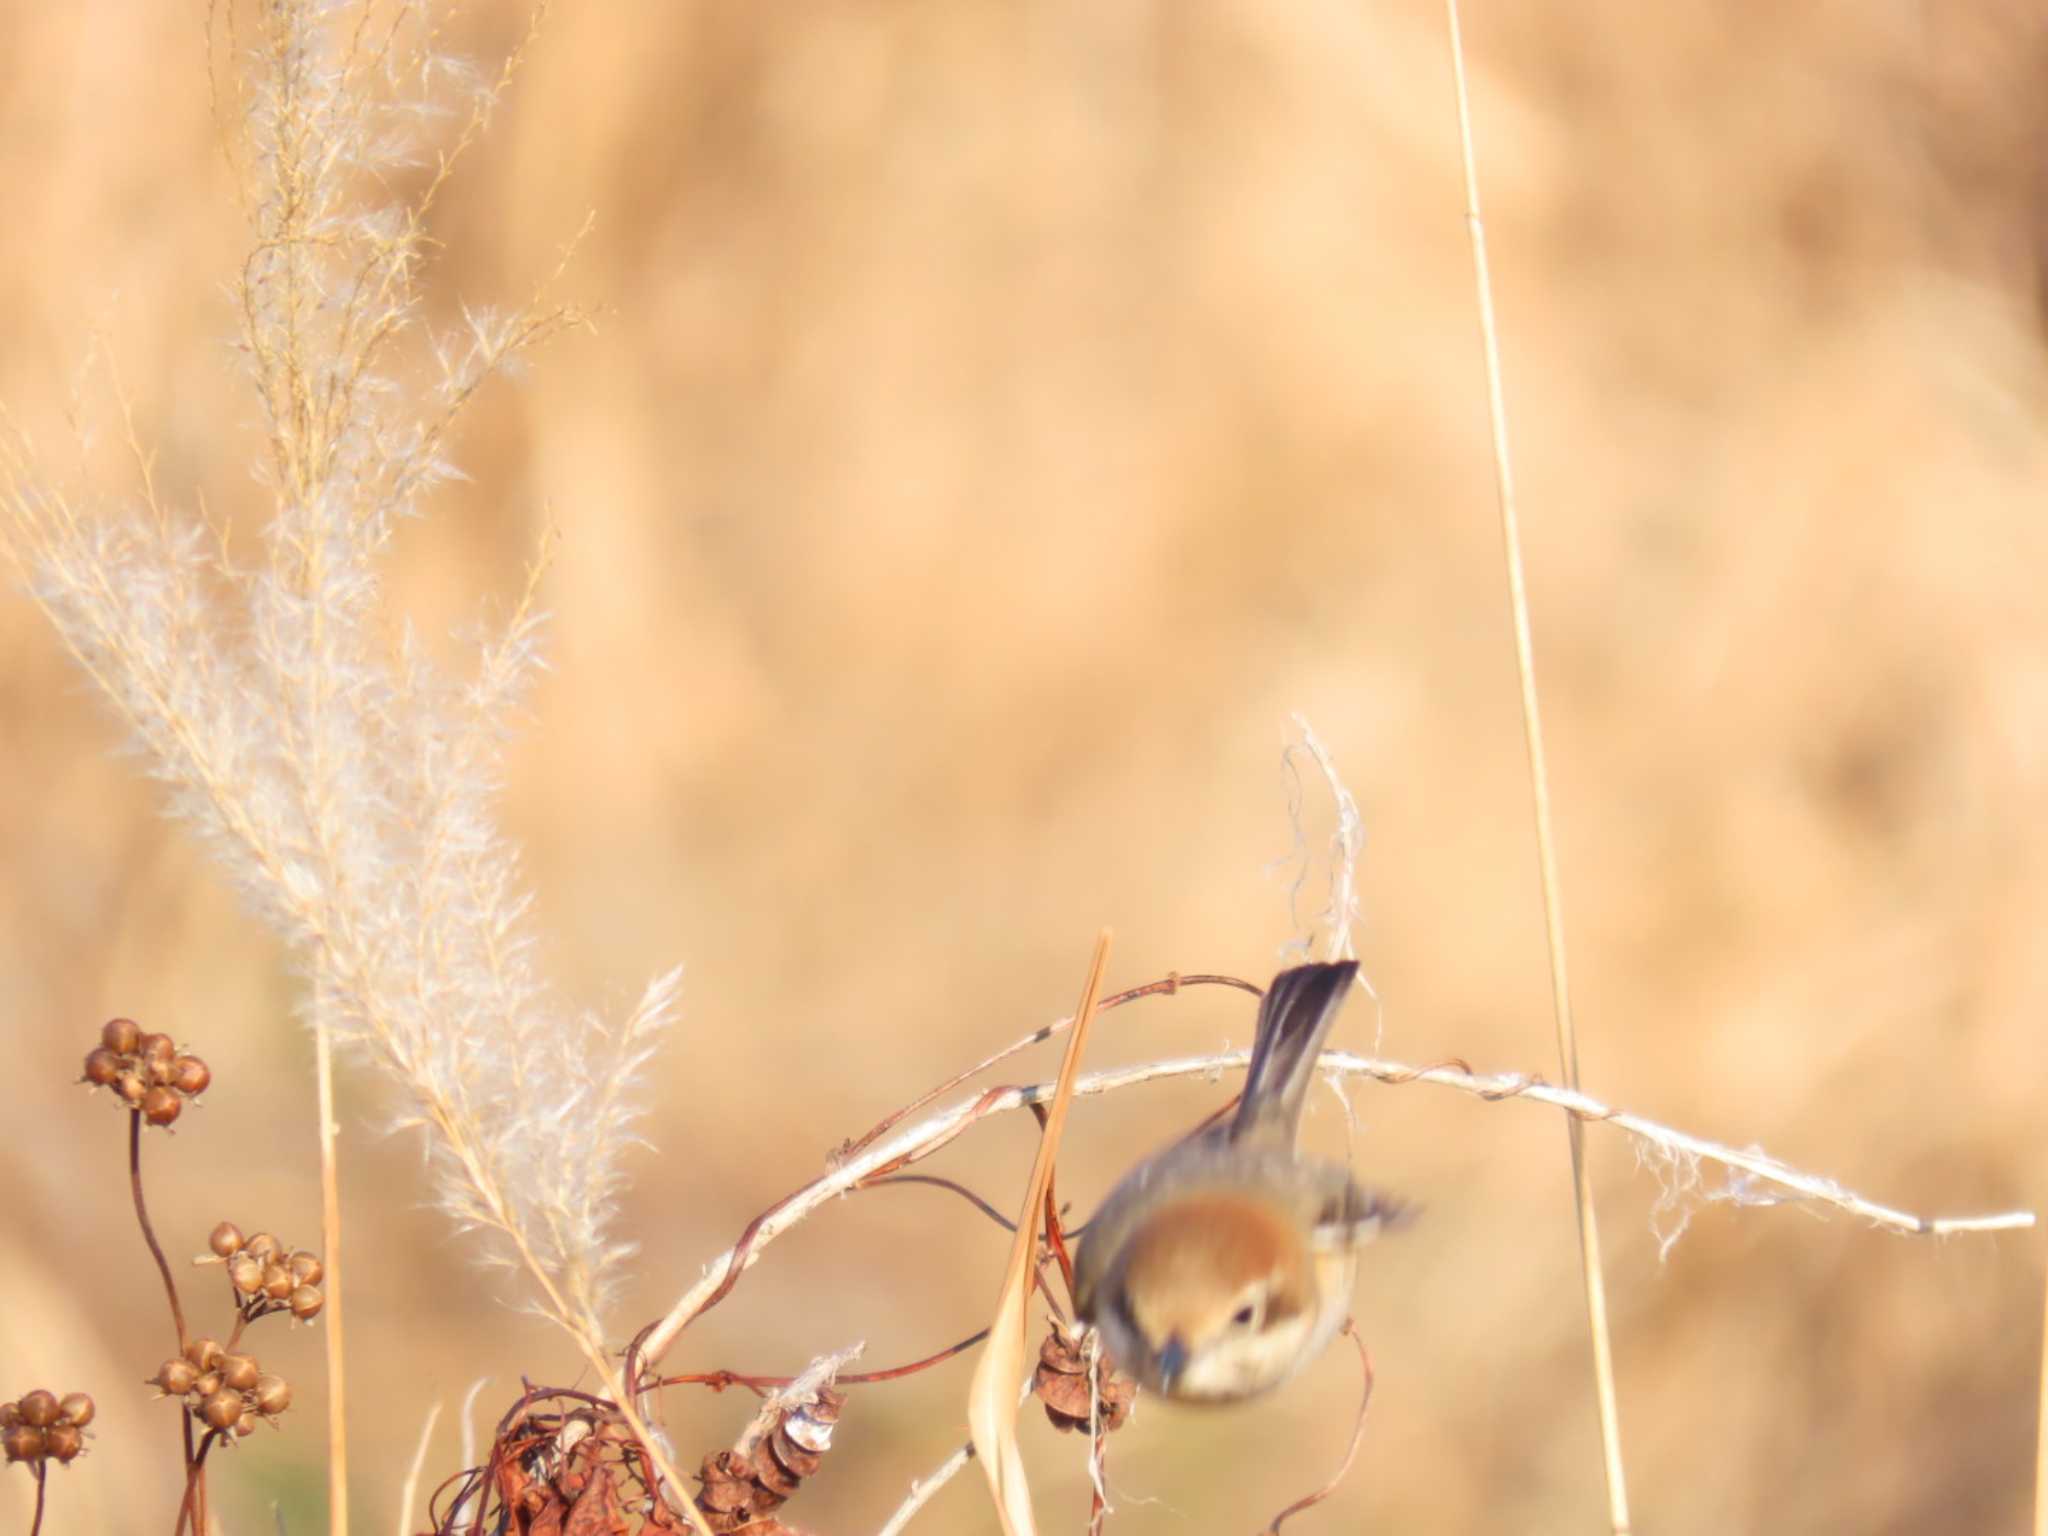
(156, 1251)
(195, 1483)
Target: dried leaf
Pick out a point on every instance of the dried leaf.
(992, 1400)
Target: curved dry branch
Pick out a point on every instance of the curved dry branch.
(921, 1139)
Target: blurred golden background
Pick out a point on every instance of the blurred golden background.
(1001, 418)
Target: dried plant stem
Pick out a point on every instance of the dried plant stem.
(991, 1410)
(1539, 781)
(719, 1380)
(923, 1488)
(163, 1265)
(192, 1508)
(330, 1237)
(41, 1473)
(1310, 1500)
(194, 1461)
(655, 1341)
(673, 1488)
(1165, 987)
(928, 1135)
(409, 1494)
(1098, 1449)
(2041, 1430)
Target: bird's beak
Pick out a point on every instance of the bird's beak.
(1171, 1361)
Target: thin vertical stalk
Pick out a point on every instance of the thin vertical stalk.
(2041, 1428)
(330, 1237)
(1539, 782)
(192, 1508)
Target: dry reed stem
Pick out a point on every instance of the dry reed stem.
(409, 1492)
(2041, 1429)
(1539, 783)
(330, 1237)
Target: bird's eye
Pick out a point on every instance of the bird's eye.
(1244, 1316)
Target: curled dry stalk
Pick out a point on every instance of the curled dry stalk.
(878, 1157)
(1755, 1177)
(866, 1161)
(1310, 1500)
(156, 1251)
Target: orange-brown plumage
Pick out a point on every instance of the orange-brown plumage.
(1223, 1238)
(1219, 1266)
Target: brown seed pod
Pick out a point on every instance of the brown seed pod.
(273, 1395)
(131, 1088)
(64, 1441)
(306, 1268)
(77, 1408)
(221, 1409)
(161, 1105)
(39, 1409)
(207, 1385)
(240, 1373)
(157, 1071)
(121, 1036)
(245, 1274)
(245, 1426)
(22, 1443)
(730, 1496)
(771, 1474)
(102, 1067)
(277, 1282)
(10, 1415)
(204, 1352)
(744, 1484)
(264, 1246)
(811, 1427)
(797, 1460)
(1061, 1383)
(156, 1047)
(225, 1240)
(306, 1303)
(175, 1378)
(190, 1075)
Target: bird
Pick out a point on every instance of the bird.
(1221, 1265)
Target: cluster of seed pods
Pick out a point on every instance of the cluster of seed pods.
(145, 1071)
(40, 1426)
(265, 1275)
(229, 1392)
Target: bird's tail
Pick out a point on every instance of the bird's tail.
(1294, 1020)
